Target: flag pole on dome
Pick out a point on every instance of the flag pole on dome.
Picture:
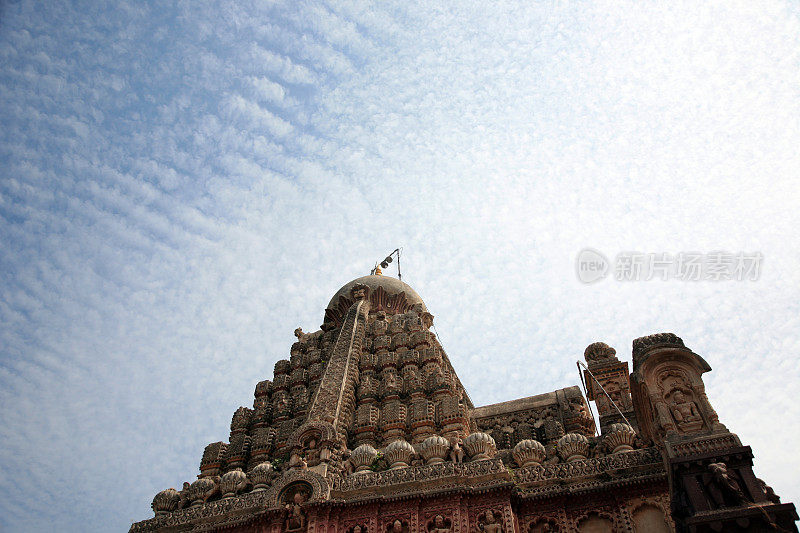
(377, 269)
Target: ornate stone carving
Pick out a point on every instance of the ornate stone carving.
(669, 395)
(648, 342)
(359, 291)
(362, 458)
(232, 483)
(397, 526)
(723, 486)
(282, 367)
(599, 352)
(165, 501)
(263, 388)
(685, 413)
(296, 517)
(238, 450)
(398, 454)
(457, 452)
(297, 462)
(375, 376)
(619, 438)
(262, 475)
(440, 524)
(213, 458)
(410, 477)
(543, 525)
(480, 446)
(573, 447)
(202, 490)
(434, 449)
(487, 522)
(529, 452)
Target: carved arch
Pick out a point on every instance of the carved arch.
(584, 519)
(320, 490)
(542, 523)
(648, 527)
(323, 432)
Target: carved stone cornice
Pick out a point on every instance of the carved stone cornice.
(215, 514)
(617, 465)
(422, 479)
(702, 445)
(647, 477)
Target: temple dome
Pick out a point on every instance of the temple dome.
(392, 286)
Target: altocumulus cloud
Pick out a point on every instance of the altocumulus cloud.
(183, 185)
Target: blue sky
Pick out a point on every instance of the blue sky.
(183, 184)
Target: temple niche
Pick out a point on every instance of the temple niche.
(440, 524)
(397, 526)
(365, 427)
(488, 523)
(595, 522)
(294, 497)
(543, 525)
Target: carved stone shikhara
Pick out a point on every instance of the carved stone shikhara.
(366, 428)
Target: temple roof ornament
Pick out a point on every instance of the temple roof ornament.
(391, 287)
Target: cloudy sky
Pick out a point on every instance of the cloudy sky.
(183, 184)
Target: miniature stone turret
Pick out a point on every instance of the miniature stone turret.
(608, 384)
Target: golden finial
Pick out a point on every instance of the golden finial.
(378, 271)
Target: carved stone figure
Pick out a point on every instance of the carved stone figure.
(614, 389)
(723, 486)
(296, 518)
(457, 452)
(488, 523)
(543, 525)
(439, 524)
(359, 291)
(685, 412)
(391, 385)
(771, 496)
(312, 455)
(298, 462)
(184, 496)
(397, 526)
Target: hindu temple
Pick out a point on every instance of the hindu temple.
(366, 428)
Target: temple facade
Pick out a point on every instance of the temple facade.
(366, 428)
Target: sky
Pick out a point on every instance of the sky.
(182, 184)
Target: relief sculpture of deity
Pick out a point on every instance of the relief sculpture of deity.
(489, 523)
(439, 525)
(296, 519)
(687, 416)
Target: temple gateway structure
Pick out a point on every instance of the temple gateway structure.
(366, 428)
